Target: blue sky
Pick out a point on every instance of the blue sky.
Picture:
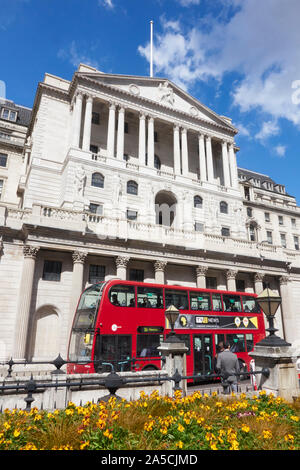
(241, 58)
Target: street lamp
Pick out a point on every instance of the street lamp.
(172, 314)
(269, 302)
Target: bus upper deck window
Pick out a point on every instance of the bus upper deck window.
(178, 298)
(232, 303)
(250, 304)
(122, 296)
(149, 297)
(200, 301)
(216, 302)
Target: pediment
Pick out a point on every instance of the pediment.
(163, 92)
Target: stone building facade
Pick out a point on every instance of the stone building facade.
(130, 177)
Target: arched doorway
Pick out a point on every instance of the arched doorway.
(45, 333)
(165, 208)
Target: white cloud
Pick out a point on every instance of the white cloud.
(188, 3)
(268, 129)
(280, 150)
(76, 57)
(106, 3)
(242, 130)
(260, 42)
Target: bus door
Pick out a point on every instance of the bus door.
(203, 354)
(113, 350)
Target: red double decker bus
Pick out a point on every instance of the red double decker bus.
(118, 320)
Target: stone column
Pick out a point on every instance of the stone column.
(176, 150)
(77, 110)
(111, 131)
(230, 276)
(202, 159)
(25, 293)
(233, 167)
(150, 144)
(159, 268)
(86, 140)
(185, 154)
(258, 283)
(225, 161)
(288, 316)
(209, 160)
(142, 140)
(121, 265)
(175, 354)
(200, 276)
(120, 135)
(79, 258)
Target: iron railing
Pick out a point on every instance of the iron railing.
(112, 382)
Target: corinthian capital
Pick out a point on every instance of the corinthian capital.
(201, 270)
(283, 280)
(122, 261)
(79, 256)
(160, 265)
(259, 277)
(30, 251)
(231, 274)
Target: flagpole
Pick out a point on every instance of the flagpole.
(151, 48)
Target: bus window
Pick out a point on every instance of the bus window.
(146, 345)
(219, 339)
(249, 342)
(216, 303)
(122, 296)
(250, 304)
(87, 308)
(232, 303)
(178, 298)
(149, 297)
(237, 342)
(115, 350)
(200, 301)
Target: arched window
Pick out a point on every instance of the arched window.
(98, 180)
(132, 187)
(223, 207)
(157, 163)
(198, 202)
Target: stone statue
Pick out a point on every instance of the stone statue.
(117, 190)
(166, 93)
(79, 180)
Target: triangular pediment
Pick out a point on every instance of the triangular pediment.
(163, 92)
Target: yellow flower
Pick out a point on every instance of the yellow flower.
(16, 433)
(84, 445)
(245, 428)
(180, 428)
(267, 434)
(108, 434)
(179, 444)
(295, 418)
(289, 437)
(234, 445)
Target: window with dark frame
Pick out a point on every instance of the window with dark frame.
(52, 270)
(98, 180)
(131, 215)
(223, 207)
(3, 159)
(225, 232)
(136, 275)
(198, 201)
(96, 273)
(132, 187)
(95, 118)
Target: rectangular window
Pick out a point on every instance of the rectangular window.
(199, 227)
(96, 208)
(293, 222)
(9, 115)
(1, 188)
(267, 216)
(225, 232)
(149, 297)
(280, 220)
(211, 283)
(249, 342)
(200, 301)
(240, 285)
(3, 159)
(126, 128)
(296, 242)
(131, 215)
(52, 270)
(283, 240)
(216, 302)
(269, 237)
(122, 296)
(136, 275)
(250, 304)
(178, 298)
(113, 349)
(96, 273)
(232, 303)
(95, 118)
(146, 345)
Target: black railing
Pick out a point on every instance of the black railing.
(112, 382)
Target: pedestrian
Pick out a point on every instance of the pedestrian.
(229, 368)
(219, 349)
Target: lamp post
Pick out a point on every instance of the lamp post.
(269, 302)
(172, 314)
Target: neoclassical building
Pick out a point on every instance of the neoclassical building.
(131, 177)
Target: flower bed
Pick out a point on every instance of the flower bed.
(156, 423)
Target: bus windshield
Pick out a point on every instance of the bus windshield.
(83, 328)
